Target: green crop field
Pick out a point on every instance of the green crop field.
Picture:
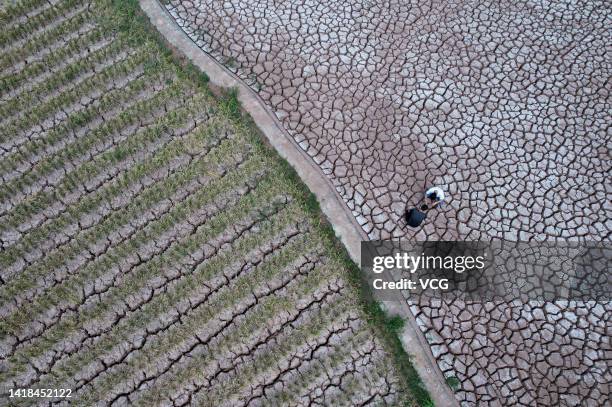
(153, 250)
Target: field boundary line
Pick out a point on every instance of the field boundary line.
(332, 205)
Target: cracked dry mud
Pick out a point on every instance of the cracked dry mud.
(152, 252)
(505, 104)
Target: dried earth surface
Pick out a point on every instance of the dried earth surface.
(153, 251)
(504, 104)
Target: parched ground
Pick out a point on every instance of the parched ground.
(152, 250)
(505, 104)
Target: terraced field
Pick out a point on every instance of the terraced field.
(153, 251)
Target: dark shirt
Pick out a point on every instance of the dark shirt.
(414, 217)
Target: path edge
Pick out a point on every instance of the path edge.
(331, 203)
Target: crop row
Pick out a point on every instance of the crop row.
(44, 42)
(67, 98)
(12, 35)
(71, 73)
(40, 69)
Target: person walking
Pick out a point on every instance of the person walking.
(436, 196)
